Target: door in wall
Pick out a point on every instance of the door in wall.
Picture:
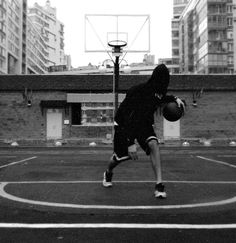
(54, 124)
(171, 129)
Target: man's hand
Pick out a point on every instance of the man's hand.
(132, 150)
(180, 103)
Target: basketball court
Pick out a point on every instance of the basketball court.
(56, 194)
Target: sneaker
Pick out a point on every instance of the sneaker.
(107, 178)
(160, 191)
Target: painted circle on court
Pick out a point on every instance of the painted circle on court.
(11, 197)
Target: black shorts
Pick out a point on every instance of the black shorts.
(121, 142)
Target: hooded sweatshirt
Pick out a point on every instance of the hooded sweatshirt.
(136, 112)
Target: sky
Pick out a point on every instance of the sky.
(71, 13)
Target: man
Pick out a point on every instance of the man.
(134, 120)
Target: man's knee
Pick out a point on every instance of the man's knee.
(153, 145)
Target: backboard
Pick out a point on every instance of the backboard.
(103, 28)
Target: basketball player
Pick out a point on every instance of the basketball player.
(134, 120)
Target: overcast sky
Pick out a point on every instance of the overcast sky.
(71, 14)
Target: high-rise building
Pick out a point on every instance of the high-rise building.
(13, 28)
(52, 30)
(3, 34)
(206, 37)
(178, 7)
(37, 51)
(31, 42)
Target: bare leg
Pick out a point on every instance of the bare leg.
(155, 160)
(156, 165)
(113, 163)
(107, 176)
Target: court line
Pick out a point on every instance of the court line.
(216, 161)
(17, 162)
(120, 181)
(8, 196)
(117, 225)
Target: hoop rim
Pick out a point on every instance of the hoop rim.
(119, 43)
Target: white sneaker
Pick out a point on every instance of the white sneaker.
(160, 194)
(160, 191)
(107, 179)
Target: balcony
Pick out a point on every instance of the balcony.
(217, 1)
(215, 25)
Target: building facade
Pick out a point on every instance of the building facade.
(3, 34)
(37, 51)
(206, 37)
(13, 28)
(178, 7)
(30, 42)
(52, 30)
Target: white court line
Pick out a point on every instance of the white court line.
(17, 162)
(117, 225)
(8, 196)
(217, 161)
(120, 181)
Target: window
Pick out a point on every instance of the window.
(230, 60)
(217, 60)
(94, 113)
(230, 47)
(175, 25)
(229, 8)
(230, 34)
(92, 109)
(230, 21)
(175, 52)
(175, 42)
(175, 34)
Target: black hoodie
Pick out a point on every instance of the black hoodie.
(136, 112)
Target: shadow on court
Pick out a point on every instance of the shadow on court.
(55, 195)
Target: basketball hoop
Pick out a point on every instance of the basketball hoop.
(117, 47)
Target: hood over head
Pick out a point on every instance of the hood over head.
(160, 79)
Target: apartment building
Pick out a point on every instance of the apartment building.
(206, 37)
(3, 17)
(45, 21)
(178, 7)
(37, 51)
(13, 27)
(31, 41)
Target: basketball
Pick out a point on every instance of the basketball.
(172, 112)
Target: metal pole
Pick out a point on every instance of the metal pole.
(116, 83)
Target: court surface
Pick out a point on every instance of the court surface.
(55, 195)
